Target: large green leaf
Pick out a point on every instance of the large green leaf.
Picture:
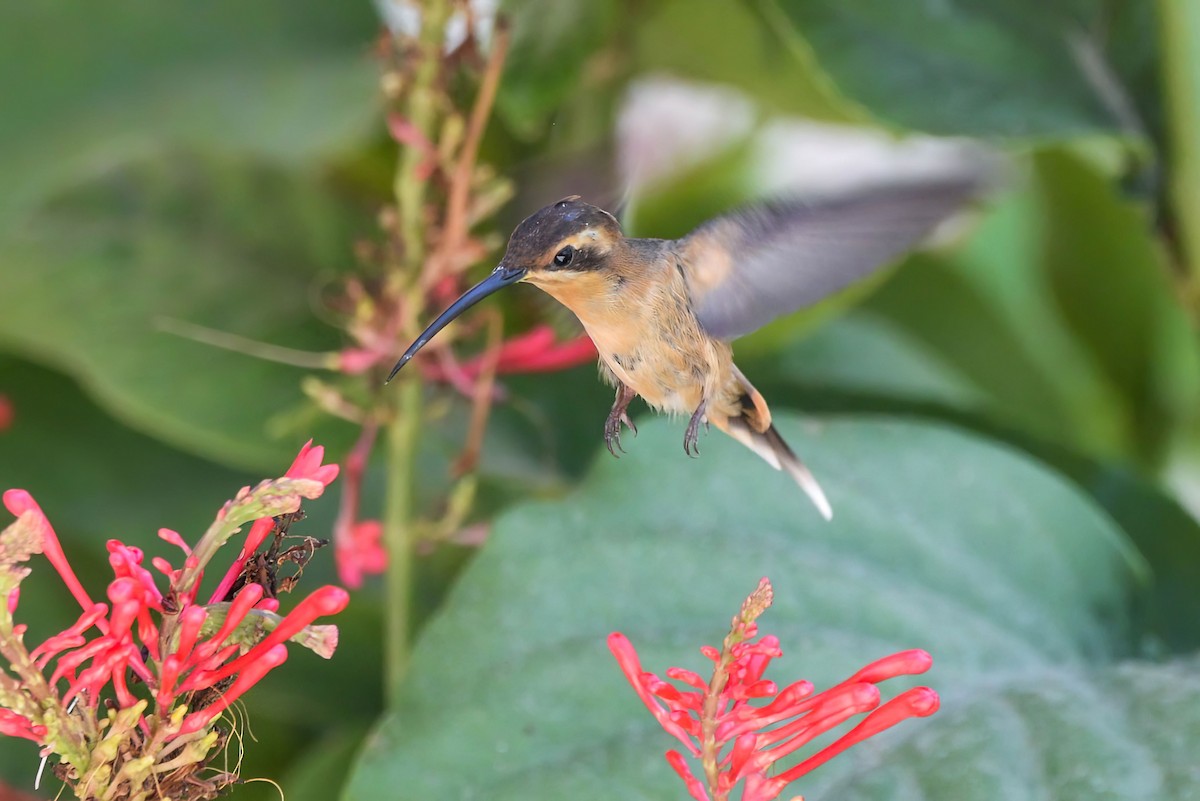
(1016, 583)
(859, 360)
(977, 67)
(84, 85)
(225, 244)
(1123, 732)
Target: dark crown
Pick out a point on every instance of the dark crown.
(536, 240)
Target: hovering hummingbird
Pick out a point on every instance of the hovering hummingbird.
(662, 312)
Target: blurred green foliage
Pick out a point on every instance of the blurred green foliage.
(1007, 426)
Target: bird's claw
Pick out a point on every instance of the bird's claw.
(612, 431)
(691, 437)
(616, 416)
(628, 423)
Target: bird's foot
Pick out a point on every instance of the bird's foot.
(612, 434)
(690, 444)
(616, 417)
(612, 431)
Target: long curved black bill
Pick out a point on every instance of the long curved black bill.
(498, 279)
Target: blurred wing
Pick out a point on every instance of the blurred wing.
(747, 268)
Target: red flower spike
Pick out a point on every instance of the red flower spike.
(131, 634)
(720, 719)
(6, 413)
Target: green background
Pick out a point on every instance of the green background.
(1006, 426)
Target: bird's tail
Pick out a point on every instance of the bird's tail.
(753, 428)
(772, 448)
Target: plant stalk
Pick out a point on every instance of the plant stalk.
(403, 431)
(399, 523)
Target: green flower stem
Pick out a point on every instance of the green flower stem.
(399, 518)
(403, 432)
(1180, 21)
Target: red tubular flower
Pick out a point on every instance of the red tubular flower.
(20, 502)
(737, 741)
(353, 361)
(308, 464)
(15, 725)
(409, 135)
(535, 351)
(358, 544)
(361, 553)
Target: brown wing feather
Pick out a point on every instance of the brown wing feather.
(747, 268)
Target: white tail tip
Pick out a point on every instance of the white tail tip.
(811, 488)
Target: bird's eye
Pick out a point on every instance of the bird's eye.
(564, 256)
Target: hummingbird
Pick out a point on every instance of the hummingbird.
(663, 312)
